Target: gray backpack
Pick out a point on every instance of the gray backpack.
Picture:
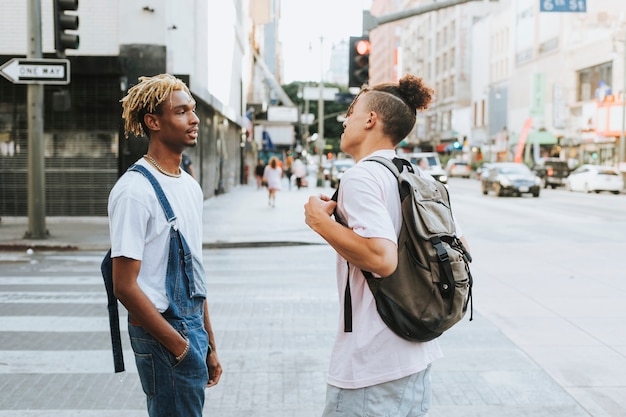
(431, 288)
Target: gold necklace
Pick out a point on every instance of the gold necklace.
(161, 170)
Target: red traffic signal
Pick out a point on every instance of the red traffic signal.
(362, 47)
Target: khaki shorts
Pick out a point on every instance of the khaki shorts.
(410, 396)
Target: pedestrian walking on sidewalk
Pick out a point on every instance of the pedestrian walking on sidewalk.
(187, 165)
(299, 171)
(289, 168)
(372, 370)
(168, 321)
(258, 173)
(273, 175)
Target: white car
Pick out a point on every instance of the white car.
(458, 168)
(595, 178)
(434, 165)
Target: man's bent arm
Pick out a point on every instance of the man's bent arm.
(139, 306)
(376, 255)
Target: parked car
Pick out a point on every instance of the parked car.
(510, 178)
(338, 167)
(595, 178)
(458, 168)
(434, 167)
(552, 171)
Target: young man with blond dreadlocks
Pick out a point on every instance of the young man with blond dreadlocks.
(168, 320)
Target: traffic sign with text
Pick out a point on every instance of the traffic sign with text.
(579, 6)
(36, 71)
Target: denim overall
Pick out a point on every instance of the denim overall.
(175, 388)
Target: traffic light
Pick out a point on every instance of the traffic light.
(359, 63)
(63, 22)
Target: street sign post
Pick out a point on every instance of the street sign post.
(577, 6)
(36, 71)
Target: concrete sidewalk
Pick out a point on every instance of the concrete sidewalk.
(241, 217)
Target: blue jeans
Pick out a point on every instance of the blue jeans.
(171, 388)
(410, 396)
(176, 389)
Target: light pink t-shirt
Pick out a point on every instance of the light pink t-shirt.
(371, 354)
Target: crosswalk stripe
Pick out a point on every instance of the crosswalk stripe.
(61, 362)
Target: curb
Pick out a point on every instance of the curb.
(258, 244)
(62, 247)
(23, 246)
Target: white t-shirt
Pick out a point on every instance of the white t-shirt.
(299, 170)
(371, 354)
(273, 176)
(139, 228)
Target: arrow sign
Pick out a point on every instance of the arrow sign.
(36, 71)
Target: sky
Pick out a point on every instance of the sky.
(303, 23)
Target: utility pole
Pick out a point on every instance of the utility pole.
(320, 121)
(36, 159)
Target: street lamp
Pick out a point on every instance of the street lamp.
(622, 145)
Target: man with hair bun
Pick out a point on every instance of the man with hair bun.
(373, 372)
(171, 335)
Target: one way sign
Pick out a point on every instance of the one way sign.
(36, 71)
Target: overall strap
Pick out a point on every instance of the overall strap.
(107, 272)
(169, 213)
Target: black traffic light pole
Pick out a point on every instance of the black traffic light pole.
(371, 22)
(36, 160)
(358, 64)
(35, 103)
(63, 22)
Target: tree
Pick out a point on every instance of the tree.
(332, 128)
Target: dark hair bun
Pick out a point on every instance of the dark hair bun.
(414, 92)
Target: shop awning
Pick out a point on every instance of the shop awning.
(542, 137)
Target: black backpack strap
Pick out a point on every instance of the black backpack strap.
(396, 166)
(114, 317)
(347, 295)
(107, 273)
(347, 304)
(446, 286)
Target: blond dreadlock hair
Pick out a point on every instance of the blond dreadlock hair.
(145, 98)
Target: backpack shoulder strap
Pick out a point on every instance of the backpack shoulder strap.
(396, 166)
(169, 213)
(391, 166)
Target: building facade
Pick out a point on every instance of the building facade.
(203, 43)
(499, 66)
